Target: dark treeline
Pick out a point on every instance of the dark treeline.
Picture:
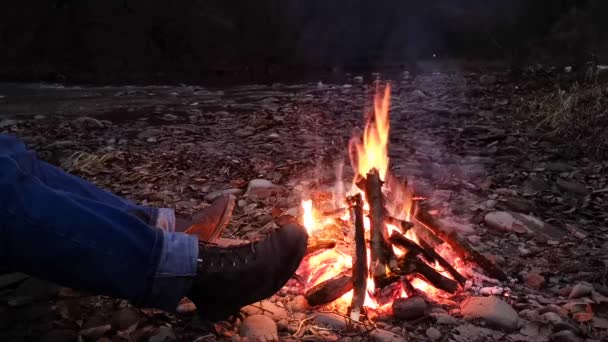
(106, 38)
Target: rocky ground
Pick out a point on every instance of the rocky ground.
(534, 203)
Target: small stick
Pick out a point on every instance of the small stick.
(444, 263)
(415, 265)
(404, 243)
(402, 224)
(460, 246)
(329, 290)
(360, 259)
(409, 289)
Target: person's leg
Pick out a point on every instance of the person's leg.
(215, 218)
(88, 245)
(58, 179)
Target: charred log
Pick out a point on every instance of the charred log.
(380, 251)
(444, 263)
(460, 246)
(413, 248)
(402, 224)
(329, 290)
(319, 244)
(411, 265)
(360, 258)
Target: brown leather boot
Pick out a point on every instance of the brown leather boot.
(232, 277)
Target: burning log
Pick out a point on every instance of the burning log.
(334, 213)
(359, 260)
(404, 243)
(329, 290)
(414, 265)
(444, 263)
(460, 246)
(380, 252)
(402, 224)
(409, 289)
(319, 244)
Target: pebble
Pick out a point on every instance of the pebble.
(534, 280)
(299, 304)
(124, 318)
(163, 334)
(96, 332)
(60, 335)
(504, 221)
(259, 328)
(409, 308)
(551, 317)
(493, 310)
(523, 251)
(581, 289)
(446, 320)
(487, 80)
(433, 334)
(215, 194)
(262, 188)
(88, 122)
(530, 329)
(244, 132)
(331, 319)
(170, 117)
(565, 336)
(571, 186)
(380, 335)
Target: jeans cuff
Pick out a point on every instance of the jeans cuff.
(163, 218)
(176, 271)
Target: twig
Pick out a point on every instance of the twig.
(301, 324)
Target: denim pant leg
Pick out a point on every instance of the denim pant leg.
(89, 245)
(58, 179)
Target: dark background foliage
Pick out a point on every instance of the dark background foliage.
(99, 40)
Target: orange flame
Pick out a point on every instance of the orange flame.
(372, 152)
(309, 219)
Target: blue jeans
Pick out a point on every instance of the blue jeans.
(59, 227)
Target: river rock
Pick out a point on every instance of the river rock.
(88, 122)
(380, 335)
(523, 224)
(534, 280)
(259, 328)
(124, 318)
(262, 188)
(571, 186)
(433, 333)
(215, 194)
(332, 320)
(493, 310)
(581, 289)
(409, 308)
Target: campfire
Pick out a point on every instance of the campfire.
(377, 242)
